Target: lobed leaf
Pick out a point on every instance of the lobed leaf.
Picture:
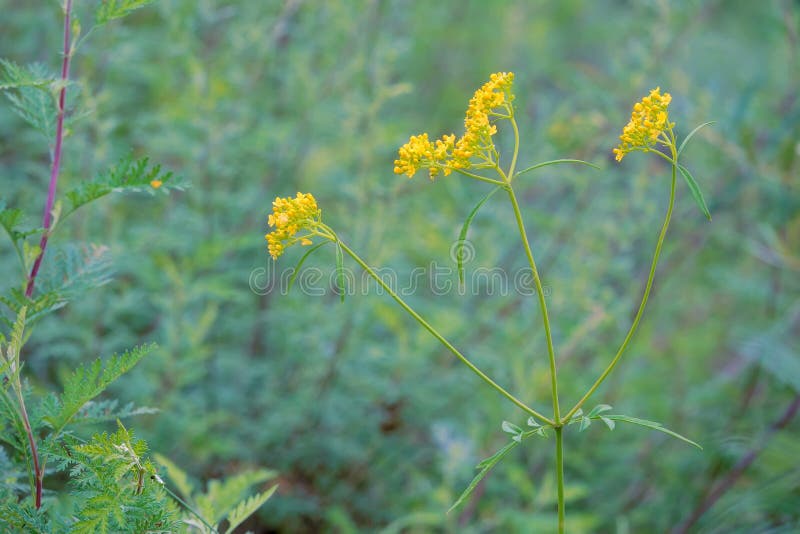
(109, 10)
(88, 381)
(126, 175)
(247, 508)
(13, 76)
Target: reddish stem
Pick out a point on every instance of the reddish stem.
(47, 219)
(46, 222)
(37, 470)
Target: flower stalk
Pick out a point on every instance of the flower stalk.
(649, 130)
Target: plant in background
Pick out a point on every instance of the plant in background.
(113, 485)
(299, 220)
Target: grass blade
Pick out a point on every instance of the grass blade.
(691, 134)
(695, 189)
(300, 264)
(340, 271)
(462, 236)
(486, 465)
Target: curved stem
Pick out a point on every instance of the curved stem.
(441, 338)
(560, 478)
(542, 304)
(647, 289)
(513, 121)
(554, 162)
(47, 218)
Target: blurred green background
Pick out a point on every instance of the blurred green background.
(370, 423)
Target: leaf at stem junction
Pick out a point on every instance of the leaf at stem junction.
(695, 189)
(462, 236)
(300, 264)
(651, 425)
(485, 466)
(691, 134)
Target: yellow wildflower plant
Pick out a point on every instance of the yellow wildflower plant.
(289, 216)
(446, 154)
(649, 121)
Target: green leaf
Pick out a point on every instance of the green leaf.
(651, 425)
(76, 268)
(510, 428)
(485, 466)
(300, 264)
(35, 103)
(222, 496)
(695, 189)
(88, 381)
(585, 422)
(340, 271)
(600, 408)
(462, 236)
(533, 422)
(555, 162)
(609, 423)
(126, 175)
(691, 134)
(247, 508)
(12, 76)
(116, 9)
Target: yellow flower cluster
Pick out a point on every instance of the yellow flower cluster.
(420, 153)
(478, 128)
(446, 153)
(290, 215)
(649, 119)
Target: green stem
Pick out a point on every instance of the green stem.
(477, 176)
(646, 295)
(513, 121)
(441, 339)
(542, 304)
(189, 508)
(554, 162)
(536, 279)
(560, 478)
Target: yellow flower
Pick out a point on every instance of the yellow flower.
(479, 130)
(420, 153)
(649, 119)
(289, 216)
(155, 184)
(446, 153)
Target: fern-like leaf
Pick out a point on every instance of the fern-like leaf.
(13, 76)
(75, 269)
(127, 175)
(32, 98)
(247, 508)
(223, 496)
(109, 10)
(87, 382)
